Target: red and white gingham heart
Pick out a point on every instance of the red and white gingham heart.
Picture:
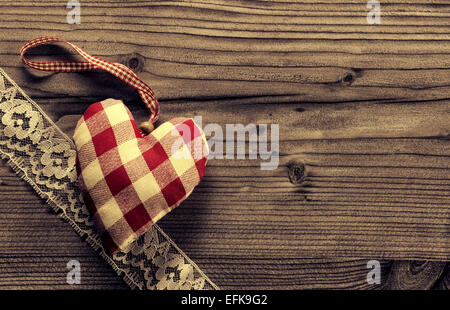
(128, 180)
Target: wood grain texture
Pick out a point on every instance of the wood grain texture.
(36, 245)
(363, 113)
(286, 273)
(407, 275)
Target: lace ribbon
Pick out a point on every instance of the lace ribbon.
(44, 156)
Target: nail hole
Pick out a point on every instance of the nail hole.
(133, 63)
(296, 173)
(348, 78)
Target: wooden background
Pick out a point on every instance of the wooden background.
(364, 137)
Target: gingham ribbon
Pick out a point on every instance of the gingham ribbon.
(91, 63)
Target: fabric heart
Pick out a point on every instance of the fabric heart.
(130, 181)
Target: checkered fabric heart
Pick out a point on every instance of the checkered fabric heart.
(130, 181)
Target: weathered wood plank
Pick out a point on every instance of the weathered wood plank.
(310, 51)
(283, 273)
(36, 246)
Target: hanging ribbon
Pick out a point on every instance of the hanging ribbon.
(91, 63)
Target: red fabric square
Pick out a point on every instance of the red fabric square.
(174, 192)
(104, 141)
(92, 110)
(118, 180)
(155, 156)
(201, 167)
(137, 217)
(188, 130)
(137, 132)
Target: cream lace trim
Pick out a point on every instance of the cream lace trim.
(44, 156)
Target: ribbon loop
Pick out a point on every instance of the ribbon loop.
(91, 63)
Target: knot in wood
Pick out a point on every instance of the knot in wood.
(348, 78)
(134, 61)
(296, 172)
